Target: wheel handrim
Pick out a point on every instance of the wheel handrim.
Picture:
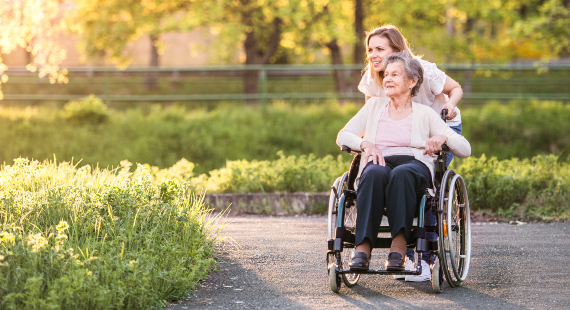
(459, 224)
(455, 247)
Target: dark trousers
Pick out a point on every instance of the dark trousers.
(393, 188)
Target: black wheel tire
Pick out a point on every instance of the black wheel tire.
(436, 277)
(334, 279)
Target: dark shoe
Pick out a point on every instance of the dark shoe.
(360, 261)
(395, 262)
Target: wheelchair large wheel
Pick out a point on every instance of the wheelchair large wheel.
(349, 223)
(454, 228)
(336, 191)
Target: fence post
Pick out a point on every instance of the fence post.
(106, 87)
(263, 74)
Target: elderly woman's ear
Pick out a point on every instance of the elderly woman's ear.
(414, 82)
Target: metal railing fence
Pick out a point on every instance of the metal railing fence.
(285, 82)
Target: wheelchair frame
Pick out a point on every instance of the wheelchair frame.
(452, 250)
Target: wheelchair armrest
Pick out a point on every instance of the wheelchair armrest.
(348, 150)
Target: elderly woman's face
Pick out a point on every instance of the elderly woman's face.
(396, 81)
(378, 49)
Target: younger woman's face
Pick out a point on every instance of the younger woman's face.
(378, 48)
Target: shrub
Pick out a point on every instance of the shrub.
(529, 187)
(536, 187)
(98, 239)
(90, 110)
(519, 129)
(160, 136)
(286, 174)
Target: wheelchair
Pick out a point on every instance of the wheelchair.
(450, 205)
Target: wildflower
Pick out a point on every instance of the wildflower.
(37, 241)
(7, 237)
(62, 226)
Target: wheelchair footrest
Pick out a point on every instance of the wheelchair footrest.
(380, 271)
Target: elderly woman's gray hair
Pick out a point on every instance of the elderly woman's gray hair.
(412, 67)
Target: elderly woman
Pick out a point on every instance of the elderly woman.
(400, 139)
(381, 42)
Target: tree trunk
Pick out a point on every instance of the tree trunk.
(154, 58)
(359, 48)
(251, 77)
(338, 75)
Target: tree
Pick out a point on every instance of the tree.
(109, 26)
(550, 26)
(261, 28)
(32, 25)
(478, 31)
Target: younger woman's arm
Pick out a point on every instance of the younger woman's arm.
(453, 90)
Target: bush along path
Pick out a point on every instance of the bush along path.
(536, 188)
(97, 239)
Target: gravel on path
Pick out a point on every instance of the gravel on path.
(280, 263)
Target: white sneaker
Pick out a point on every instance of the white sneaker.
(409, 266)
(425, 276)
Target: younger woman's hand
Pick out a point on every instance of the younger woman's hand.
(434, 144)
(451, 112)
(370, 150)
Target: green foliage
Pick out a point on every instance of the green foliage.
(108, 27)
(98, 239)
(536, 187)
(162, 136)
(530, 187)
(90, 110)
(550, 25)
(520, 129)
(286, 174)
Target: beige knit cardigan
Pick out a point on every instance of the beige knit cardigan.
(425, 124)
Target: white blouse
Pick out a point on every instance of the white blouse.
(429, 93)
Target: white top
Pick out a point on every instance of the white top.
(434, 80)
(425, 124)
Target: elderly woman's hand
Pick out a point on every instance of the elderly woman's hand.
(434, 144)
(370, 150)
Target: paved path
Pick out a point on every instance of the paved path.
(280, 264)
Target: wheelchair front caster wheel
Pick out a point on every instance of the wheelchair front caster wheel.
(335, 279)
(436, 278)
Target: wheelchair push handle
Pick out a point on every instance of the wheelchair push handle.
(444, 147)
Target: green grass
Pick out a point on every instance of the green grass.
(161, 136)
(88, 238)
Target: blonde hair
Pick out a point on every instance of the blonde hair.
(397, 42)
